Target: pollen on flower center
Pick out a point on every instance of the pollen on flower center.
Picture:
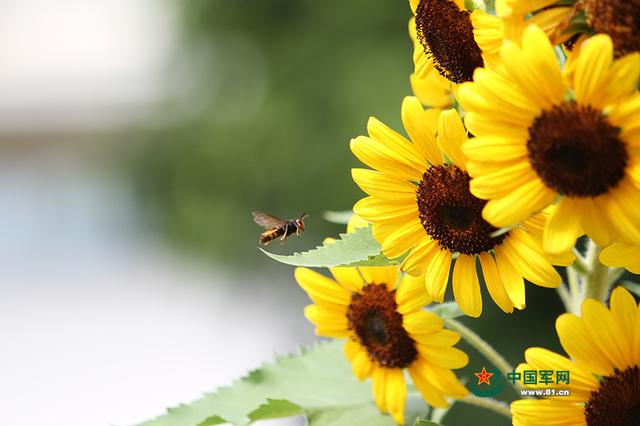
(374, 318)
(451, 215)
(617, 400)
(620, 19)
(576, 151)
(446, 33)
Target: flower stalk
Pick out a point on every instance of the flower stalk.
(494, 405)
(483, 347)
(588, 279)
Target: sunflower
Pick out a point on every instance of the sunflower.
(622, 255)
(452, 39)
(541, 139)
(388, 333)
(604, 369)
(419, 202)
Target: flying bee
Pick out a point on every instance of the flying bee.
(278, 228)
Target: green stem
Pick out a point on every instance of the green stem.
(575, 289)
(580, 264)
(488, 403)
(597, 282)
(481, 346)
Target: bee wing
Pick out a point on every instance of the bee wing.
(267, 221)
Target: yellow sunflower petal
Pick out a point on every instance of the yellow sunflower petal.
(432, 90)
(503, 181)
(378, 210)
(595, 222)
(442, 338)
(494, 282)
(606, 333)
(623, 311)
(360, 362)
(327, 318)
(321, 289)
(420, 257)
(576, 341)
(395, 142)
(622, 255)
(446, 357)
(383, 186)
(349, 278)
(379, 379)
(627, 226)
(492, 94)
(541, 81)
(530, 260)
(438, 274)
(483, 124)
(622, 79)
(518, 205)
(466, 288)
(511, 278)
(487, 31)
(592, 69)
(385, 159)
(551, 412)
(444, 380)
(396, 394)
(413, 118)
(387, 275)
(421, 322)
(429, 392)
(563, 227)
(411, 295)
(451, 135)
(404, 238)
(490, 148)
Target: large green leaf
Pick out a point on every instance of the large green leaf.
(317, 382)
(358, 248)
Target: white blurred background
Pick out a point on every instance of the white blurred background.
(100, 322)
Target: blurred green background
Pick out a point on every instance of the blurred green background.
(291, 82)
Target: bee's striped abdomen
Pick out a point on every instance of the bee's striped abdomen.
(271, 235)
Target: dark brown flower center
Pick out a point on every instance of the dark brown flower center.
(373, 316)
(620, 19)
(617, 400)
(446, 34)
(450, 214)
(575, 150)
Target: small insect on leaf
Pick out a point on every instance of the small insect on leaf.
(278, 228)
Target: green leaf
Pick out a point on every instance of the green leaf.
(447, 310)
(275, 408)
(317, 382)
(348, 416)
(212, 421)
(341, 218)
(358, 248)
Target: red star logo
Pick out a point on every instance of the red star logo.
(483, 376)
